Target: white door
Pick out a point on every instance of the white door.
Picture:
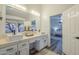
(71, 31)
(76, 35)
(68, 36)
(72, 36)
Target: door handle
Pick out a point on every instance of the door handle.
(77, 37)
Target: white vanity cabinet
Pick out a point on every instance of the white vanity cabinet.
(44, 38)
(10, 50)
(23, 48)
(41, 42)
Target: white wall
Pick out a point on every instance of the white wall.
(26, 16)
(37, 8)
(2, 22)
(47, 11)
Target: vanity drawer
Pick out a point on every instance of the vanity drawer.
(45, 37)
(8, 50)
(23, 45)
(32, 40)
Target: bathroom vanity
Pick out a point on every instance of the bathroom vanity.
(13, 22)
(20, 44)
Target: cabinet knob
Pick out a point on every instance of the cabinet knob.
(44, 40)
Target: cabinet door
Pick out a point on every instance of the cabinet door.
(37, 45)
(23, 48)
(41, 42)
(2, 52)
(22, 45)
(24, 51)
(44, 38)
(9, 50)
(13, 53)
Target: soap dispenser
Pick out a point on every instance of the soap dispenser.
(14, 32)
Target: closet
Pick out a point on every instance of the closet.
(71, 31)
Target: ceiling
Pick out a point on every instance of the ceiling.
(53, 9)
(36, 7)
(39, 7)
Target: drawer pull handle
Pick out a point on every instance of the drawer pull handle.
(23, 44)
(9, 49)
(44, 40)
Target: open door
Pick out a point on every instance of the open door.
(56, 33)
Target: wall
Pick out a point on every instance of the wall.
(50, 10)
(46, 11)
(37, 19)
(2, 22)
(37, 8)
(26, 16)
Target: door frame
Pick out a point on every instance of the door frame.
(50, 31)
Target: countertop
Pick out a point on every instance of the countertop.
(7, 42)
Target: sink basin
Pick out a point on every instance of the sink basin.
(29, 34)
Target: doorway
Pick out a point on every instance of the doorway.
(56, 33)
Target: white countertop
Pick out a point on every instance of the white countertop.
(6, 42)
(36, 35)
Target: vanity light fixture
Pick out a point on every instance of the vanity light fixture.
(35, 13)
(17, 6)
